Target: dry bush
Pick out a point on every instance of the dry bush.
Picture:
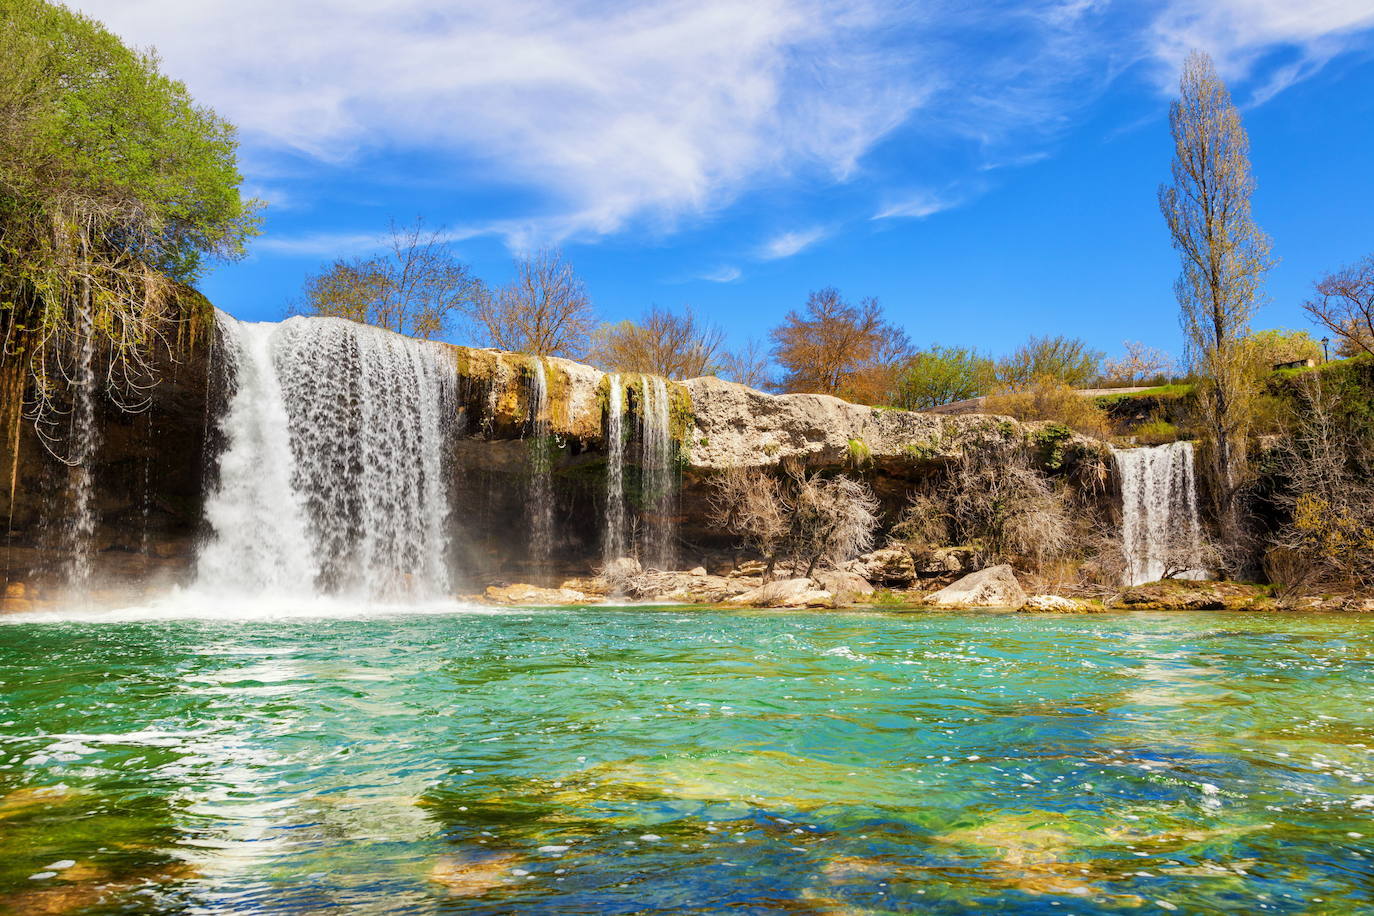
(802, 521)
(1048, 398)
(995, 497)
(833, 520)
(1328, 462)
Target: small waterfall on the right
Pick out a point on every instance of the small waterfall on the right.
(658, 485)
(613, 545)
(1160, 529)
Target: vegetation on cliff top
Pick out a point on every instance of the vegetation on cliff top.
(115, 186)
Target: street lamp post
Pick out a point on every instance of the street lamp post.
(1326, 356)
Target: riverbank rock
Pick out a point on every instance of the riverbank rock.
(786, 593)
(890, 566)
(1053, 604)
(995, 586)
(523, 594)
(845, 585)
(946, 561)
(1187, 595)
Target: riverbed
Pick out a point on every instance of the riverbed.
(686, 761)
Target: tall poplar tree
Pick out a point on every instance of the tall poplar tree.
(1225, 256)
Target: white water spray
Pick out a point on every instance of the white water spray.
(332, 477)
(1160, 529)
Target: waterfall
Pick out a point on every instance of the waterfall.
(78, 530)
(539, 501)
(614, 541)
(1160, 529)
(332, 478)
(658, 481)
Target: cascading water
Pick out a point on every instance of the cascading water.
(78, 530)
(332, 476)
(1160, 529)
(614, 542)
(539, 501)
(658, 481)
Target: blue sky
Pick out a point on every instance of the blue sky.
(986, 173)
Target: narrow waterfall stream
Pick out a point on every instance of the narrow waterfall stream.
(657, 477)
(332, 478)
(1160, 528)
(613, 545)
(78, 530)
(539, 501)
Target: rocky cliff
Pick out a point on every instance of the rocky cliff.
(151, 468)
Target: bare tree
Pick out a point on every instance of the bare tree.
(749, 504)
(832, 520)
(1344, 305)
(414, 288)
(673, 345)
(1139, 364)
(544, 311)
(748, 365)
(1225, 257)
(831, 345)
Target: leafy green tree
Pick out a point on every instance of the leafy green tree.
(941, 375)
(114, 188)
(1064, 359)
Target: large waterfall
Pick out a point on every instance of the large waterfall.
(1160, 529)
(332, 478)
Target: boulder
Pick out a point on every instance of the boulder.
(945, 561)
(748, 569)
(888, 566)
(995, 586)
(522, 594)
(843, 584)
(786, 593)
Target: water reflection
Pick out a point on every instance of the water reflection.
(668, 761)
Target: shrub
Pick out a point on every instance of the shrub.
(1048, 398)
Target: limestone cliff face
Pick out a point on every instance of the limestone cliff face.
(152, 468)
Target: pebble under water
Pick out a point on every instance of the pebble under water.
(687, 761)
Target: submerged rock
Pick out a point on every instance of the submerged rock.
(464, 877)
(995, 586)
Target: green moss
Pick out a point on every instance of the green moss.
(860, 455)
(1050, 442)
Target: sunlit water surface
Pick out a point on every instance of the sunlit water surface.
(624, 761)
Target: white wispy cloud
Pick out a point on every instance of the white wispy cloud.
(724, 274)
(787, 244)
(918, 205)
(347, 244)
(1239, 33)
(612, 110)
(607, 114)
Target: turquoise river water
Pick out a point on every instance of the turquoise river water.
(671, 761)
